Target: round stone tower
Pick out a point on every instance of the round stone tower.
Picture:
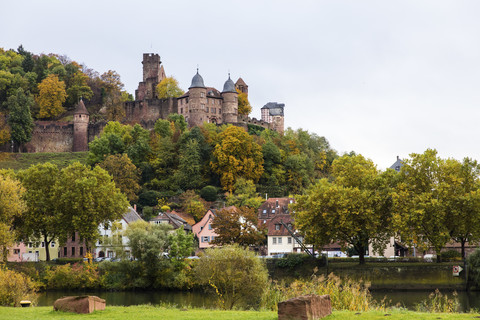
(197, 101)
(230, 102)
(80, 128)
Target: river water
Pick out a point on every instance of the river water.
(407, 299)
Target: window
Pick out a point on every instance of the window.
(202, 94)
(209, 227)
(16, 251)
(181, 110)
(219, 110)
(73, 251)
(203, 106)
(64, 251)
(73, 236)
(207, 109)
(273, 211)
(274, 240)
(30, 245)
(264, 212)
(277, 227)
(110, 254)
(205, 239)
(43, 244)
(289, 240)
(279, 240)
(52, 244)
(276, 204)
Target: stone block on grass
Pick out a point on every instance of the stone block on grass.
(308, 307)
(79, 304)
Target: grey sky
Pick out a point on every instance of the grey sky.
(382, 78)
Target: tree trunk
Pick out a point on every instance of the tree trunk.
(47, 245)
(462, 242)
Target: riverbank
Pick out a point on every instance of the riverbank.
(151, 312)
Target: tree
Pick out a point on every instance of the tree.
(189, 172)
(237, 155)
(234, 274)
(20, 119)
(181, 244)
(41, 220)
(245, 195)
(4, 130)
(237, 225)
(125, 174)
(85, 198)
(209, 193)
(353, 209)
(169, 88)
(148, 242)
(51, 96)
(112, 95)
(78, 89)
(193, 205)
(12, 207)
(244, 106)
(464, 203)
(437, 200)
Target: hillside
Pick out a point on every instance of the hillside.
(19, 161)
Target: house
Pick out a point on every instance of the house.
(272, 207)
(108, 246)
(31, 251)
(73, 248)
(204, 231)
(173, 219)
(279, 239)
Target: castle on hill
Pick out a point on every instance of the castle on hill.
(198, 105)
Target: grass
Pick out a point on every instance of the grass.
(147, 312)
(20, 161)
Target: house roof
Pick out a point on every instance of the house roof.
(131, 216)
(229, 86)
(277, 220)
(274, 206)
(240, 82)
(397, 165)
(173, 219)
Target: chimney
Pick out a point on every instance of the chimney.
(135, 207)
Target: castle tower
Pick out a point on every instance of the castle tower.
(230, 102)
(80, 128)
(153, 73)
(272, 113)
(241, 86)
(197, 101)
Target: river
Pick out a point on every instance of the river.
(407, 299)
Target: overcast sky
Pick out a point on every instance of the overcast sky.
(382, 78)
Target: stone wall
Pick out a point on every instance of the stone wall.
(149, 110)
(51, 136)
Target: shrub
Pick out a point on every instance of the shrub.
(77, 276)
(437, 302)
(292, 260)
(234, 274)
(15, 287)
(344, 294)
(473, 261)
(452, 255)
(209, 193)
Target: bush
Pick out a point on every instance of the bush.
(451, 255)
(77, 276)
(209, 193)
(473, 261)
(292, 260)
(234, 274)
(15, 287)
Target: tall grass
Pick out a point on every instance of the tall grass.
(437, 302)
(344, 294)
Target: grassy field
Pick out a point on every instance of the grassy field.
(151, 312)
(20, 161)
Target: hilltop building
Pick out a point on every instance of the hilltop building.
(198, 105)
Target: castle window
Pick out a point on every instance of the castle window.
(207, 109)
(203, 106)
(202, 94)
(219, 111)
(181, 110)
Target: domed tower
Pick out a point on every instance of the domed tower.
(197, 101)
(230, 102)
(80, 128)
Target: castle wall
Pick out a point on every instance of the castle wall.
(51, 136)
(149, 110)
(94, 129)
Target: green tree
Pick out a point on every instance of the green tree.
(85, 198)
(237, 155)
(78, 89)
(181, 244)
(41, 220)
(51, 96)
(148, 242)
(353, 209)
(193, 205)
(12, 207)
(20, 119)
(169, 88)
(112, 97)
(125, 174)
(238, 225)
(209, 193)
(245, 195)
(437, 200)
(235, 274)
(4, 130)
(189, 173)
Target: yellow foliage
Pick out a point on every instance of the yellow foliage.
(51, 96)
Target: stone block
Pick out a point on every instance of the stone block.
(308, 307)
(79, 304)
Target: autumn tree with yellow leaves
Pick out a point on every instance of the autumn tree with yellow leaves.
(51, 96)
(237, 155)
